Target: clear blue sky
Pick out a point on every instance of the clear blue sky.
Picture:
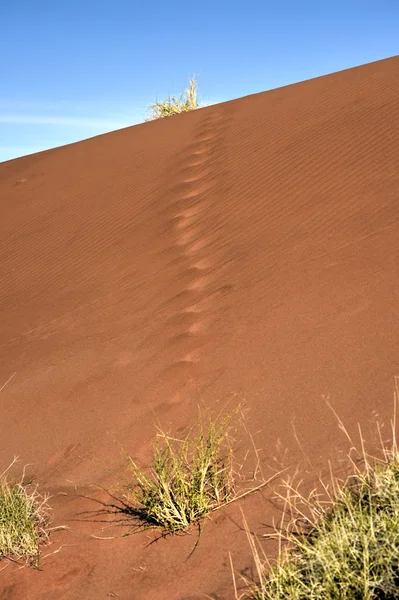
(71, 69)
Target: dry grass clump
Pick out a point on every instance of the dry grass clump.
(173, 106)
(24, 514)
(187, 480)
(348, 551)
(344, 548)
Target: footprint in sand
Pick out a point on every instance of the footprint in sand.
(193, 195)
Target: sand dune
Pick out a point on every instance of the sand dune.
(247, 249)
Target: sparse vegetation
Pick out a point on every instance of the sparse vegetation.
(346, 547)
(187, 480)
(173, 106)
(24, 514)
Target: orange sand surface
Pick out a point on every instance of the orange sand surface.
(244, 252)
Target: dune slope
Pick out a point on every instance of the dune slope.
(245, 251)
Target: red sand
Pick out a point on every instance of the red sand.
(248, 248)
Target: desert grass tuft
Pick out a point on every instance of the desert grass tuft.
(24, 514)
(186, 102)
(187, 480)
(343, 547)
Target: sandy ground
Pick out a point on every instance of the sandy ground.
(245, 252)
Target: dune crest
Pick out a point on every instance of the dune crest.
(246, 250)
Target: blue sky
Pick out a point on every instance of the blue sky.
(73, 69)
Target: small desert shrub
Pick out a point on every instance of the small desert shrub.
(24, 514)
(174, 106)
(189, 478)
(346, 548)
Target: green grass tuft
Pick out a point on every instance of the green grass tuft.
(174, 106)
(350, 551)
(189, 478)
(24, 514)
(342, 548)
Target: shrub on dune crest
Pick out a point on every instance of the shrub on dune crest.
(173, 106)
